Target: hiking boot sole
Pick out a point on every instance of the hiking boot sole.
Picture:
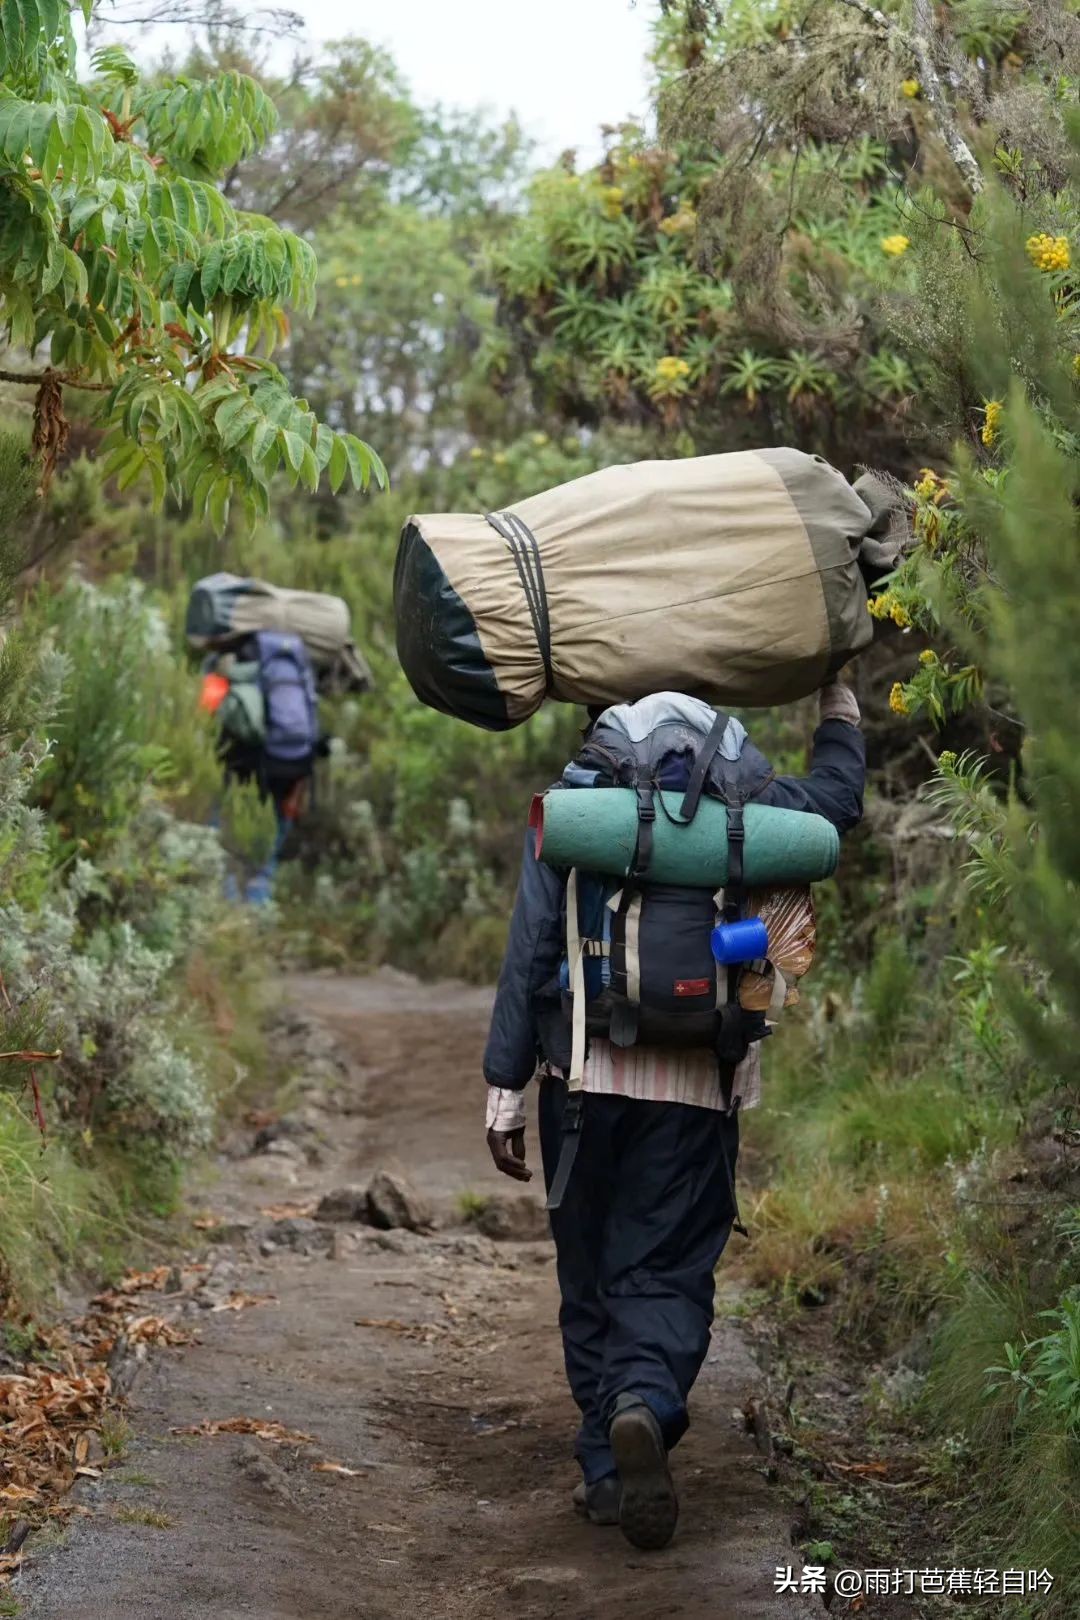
(649, 1510)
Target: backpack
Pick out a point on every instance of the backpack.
(639, 966)
(270, 706)
(649, 974)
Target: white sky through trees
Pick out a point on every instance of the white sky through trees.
(565, 66)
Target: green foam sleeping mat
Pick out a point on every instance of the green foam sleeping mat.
(596, 829)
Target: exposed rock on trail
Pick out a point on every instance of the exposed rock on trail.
(385, 1434)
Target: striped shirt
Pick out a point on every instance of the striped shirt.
(651, 1074)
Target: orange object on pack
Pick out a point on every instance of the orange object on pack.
(214, 689)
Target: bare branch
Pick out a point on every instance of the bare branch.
(920, 46)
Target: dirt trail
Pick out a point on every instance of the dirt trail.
(452, 1410)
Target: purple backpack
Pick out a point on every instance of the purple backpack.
(288, 688)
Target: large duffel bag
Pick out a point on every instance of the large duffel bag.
(736, 578)
(223, 608)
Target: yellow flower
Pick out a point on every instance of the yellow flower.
(354, 281)
(947, 759)
(928, 656)
(880, 607)
(1049, 252)
(539, 439)
(928, 483)
(672, 368)
(499, 458)
(341, 281)
(613, 200)
(895, 245)
(476, 453)
(910, 88)
(898, 703)
(1076, 365)
(680, 223)
(992, 413)
(900, 616)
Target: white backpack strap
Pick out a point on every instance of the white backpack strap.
(632, 937)
(572, 1113)
(575, 956)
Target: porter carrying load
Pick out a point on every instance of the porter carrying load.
(741, 579)
(223, 609)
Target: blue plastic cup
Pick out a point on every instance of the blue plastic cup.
(744, 941)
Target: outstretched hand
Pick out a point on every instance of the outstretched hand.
(508, 1151)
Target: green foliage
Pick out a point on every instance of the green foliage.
(57, 1213)
(207, 125)
(119, 252)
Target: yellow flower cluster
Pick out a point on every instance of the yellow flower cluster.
(613, 200)
(1076, 365)
(1049, 252)
(930, 487)
(347, 281)
(895, 245)
(679, 224)
(992, 414)
(947, 759)
(672, 369)
(898, 703)
(539, 439)
(927, 657)
(476, 453)
(889, 606)
(910, 88)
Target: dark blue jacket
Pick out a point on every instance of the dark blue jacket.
(536, 943)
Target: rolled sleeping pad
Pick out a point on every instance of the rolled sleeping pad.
(596, 829)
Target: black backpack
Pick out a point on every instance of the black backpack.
(639, 954)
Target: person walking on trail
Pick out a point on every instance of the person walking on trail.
(641, 1215)
(262, 692)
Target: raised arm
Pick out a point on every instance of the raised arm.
(837, 777)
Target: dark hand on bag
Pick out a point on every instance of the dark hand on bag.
(508, 1151)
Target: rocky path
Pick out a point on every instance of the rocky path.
(425, 1368)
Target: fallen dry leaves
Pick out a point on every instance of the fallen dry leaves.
(141, 1282)
(51, 1414)
(422, 1332)
(261, 1428)
(153, 1330)
(238, 1300)
(44, 1415)
(290, 1212)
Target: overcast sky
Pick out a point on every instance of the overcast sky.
(564, 66)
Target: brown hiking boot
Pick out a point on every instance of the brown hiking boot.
(649, 1508)
(599, 1502)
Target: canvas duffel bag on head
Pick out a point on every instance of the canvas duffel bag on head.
(223, 607)
(735, 578)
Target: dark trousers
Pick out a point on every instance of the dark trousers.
(641, 1227)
